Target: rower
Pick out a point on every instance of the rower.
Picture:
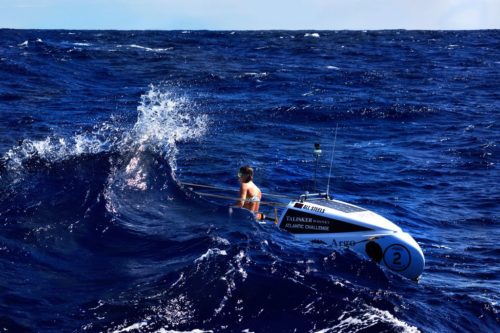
(250, 194)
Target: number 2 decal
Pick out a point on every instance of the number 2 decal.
(397, 258)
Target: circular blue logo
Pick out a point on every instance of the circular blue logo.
(397, 257)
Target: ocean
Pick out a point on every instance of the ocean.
(98, 130)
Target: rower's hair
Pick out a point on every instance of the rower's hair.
(248, 172)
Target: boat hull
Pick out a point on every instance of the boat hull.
(342, 225)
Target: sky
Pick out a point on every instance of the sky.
(250, 14)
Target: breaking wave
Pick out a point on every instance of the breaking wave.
(163, 120)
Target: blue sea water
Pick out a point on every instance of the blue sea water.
(99, 128)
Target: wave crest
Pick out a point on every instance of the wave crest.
(163, 119)
(55, 148)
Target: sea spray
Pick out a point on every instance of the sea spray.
(147, 152)
(163, 120)
(54, 148)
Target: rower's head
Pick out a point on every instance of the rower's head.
(245, 174)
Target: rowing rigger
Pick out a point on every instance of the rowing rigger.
(259, 216)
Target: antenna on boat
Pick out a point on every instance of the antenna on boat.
(317, 154)
(331, 163)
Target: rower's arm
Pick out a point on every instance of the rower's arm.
(243, 196)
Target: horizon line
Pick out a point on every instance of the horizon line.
(250, 30)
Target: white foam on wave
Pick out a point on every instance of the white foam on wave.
(234, 273)
(145, 326)
(211, 253)
(440, 246)
(314, 35)
(241, 258)
(263, 74)
(23, 44)
(162, 330)
(163, 120)
(149, 49)
(56, 148)
(221, 240)
(256, 75)
(133, 327)
(82, 44)
(356, 321)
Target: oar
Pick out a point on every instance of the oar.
(232, 190)
(269, 203)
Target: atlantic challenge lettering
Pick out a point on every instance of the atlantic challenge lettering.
(317, 227)
(294, 226)
(306, 226)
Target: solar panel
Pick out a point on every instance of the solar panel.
(340, 206)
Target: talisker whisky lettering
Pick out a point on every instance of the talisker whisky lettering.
(305, 220)
(298, 219)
